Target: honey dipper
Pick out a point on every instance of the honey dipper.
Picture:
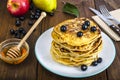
(15, 52)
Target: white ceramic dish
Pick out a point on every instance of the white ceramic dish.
(42, 52)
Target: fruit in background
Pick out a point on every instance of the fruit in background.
(46, 5)
(18, 7)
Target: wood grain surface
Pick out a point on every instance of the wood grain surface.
(30, 69)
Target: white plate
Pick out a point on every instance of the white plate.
(42, 51)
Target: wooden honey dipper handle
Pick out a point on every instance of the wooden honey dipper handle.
(43, 14)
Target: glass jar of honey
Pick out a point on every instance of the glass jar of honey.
(7, 44)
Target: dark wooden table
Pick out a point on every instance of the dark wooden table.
(30, 69)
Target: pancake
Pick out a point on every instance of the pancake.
(79, 48)
(66, 58)
(73, 26)
(65, 51)
(76, 42)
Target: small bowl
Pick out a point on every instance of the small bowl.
(5, 45)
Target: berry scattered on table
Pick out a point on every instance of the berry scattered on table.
(30, 23)
(17, 23)
(31, 7)
(18, 36)
(51, 14)
(18, 33)
(36, 16)
(24, 32)
(12, 31)
(32, 15)
(20, 30)
(38, 10)
(22, 18)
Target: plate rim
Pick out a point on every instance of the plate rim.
(64, 75)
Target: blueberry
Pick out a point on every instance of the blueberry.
(24, 32)
(94, 63)
(21, 36)
(31, 6)
(99, 60)
(20, 30)
(32, 16)
(38, 10)
(84, 67)
(36, 16)
(79, 34)
(87, 23)
(30, 23)
(37, 13)
(93, 29)
(51, 14)
(16, 32)
(17, 23)
(12, 31)
(63, 28)
(84, 27)
(22, 18)
(17, 36)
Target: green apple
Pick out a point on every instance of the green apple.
(46, 5)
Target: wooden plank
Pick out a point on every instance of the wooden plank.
(84, 8)
(113, 3)
(47, 75)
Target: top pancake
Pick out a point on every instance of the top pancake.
(70, 35)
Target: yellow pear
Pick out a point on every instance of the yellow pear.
(46, 5)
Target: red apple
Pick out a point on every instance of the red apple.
(18, 7)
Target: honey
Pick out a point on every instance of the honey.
(3, 52)
(7, 44)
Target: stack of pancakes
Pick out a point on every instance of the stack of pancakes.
(69, 49)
